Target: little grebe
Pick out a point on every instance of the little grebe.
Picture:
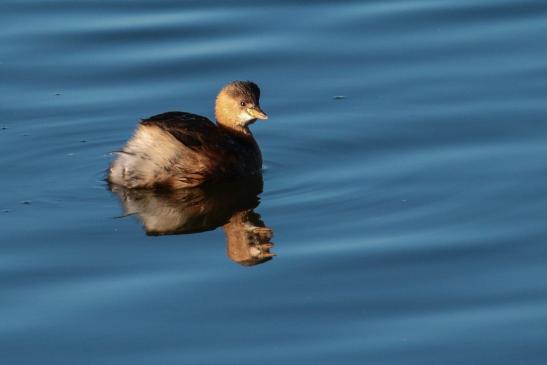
(180, 150)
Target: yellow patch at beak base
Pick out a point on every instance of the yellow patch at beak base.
(257, 113)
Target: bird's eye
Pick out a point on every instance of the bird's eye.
(242, 103)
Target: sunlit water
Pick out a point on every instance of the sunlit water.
(408, 212)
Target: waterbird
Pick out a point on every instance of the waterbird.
(176, 150)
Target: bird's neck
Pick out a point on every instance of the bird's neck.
(228, 120)
(242, 132)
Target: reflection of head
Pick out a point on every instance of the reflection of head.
(206, 208)
(248, 239)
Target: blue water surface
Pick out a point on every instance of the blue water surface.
(405, 170)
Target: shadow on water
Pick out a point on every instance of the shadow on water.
(204, 208)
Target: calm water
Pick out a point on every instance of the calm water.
(408, 216)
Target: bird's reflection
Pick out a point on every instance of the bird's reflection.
(204, 208)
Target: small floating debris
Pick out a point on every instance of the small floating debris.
(6, 210)
(339, 97)
(58, 94)
(26, 202)
(83, 141)
(4, 128)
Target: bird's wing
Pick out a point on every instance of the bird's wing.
(176, 149)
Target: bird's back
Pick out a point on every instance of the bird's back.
(178, 150)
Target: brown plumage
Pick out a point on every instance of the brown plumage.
(179, 150)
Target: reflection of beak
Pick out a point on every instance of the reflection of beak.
(257, 113)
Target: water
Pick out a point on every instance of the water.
(408, 216)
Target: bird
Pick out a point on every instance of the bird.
(176, 150)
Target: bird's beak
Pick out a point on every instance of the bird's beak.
(257, 113)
